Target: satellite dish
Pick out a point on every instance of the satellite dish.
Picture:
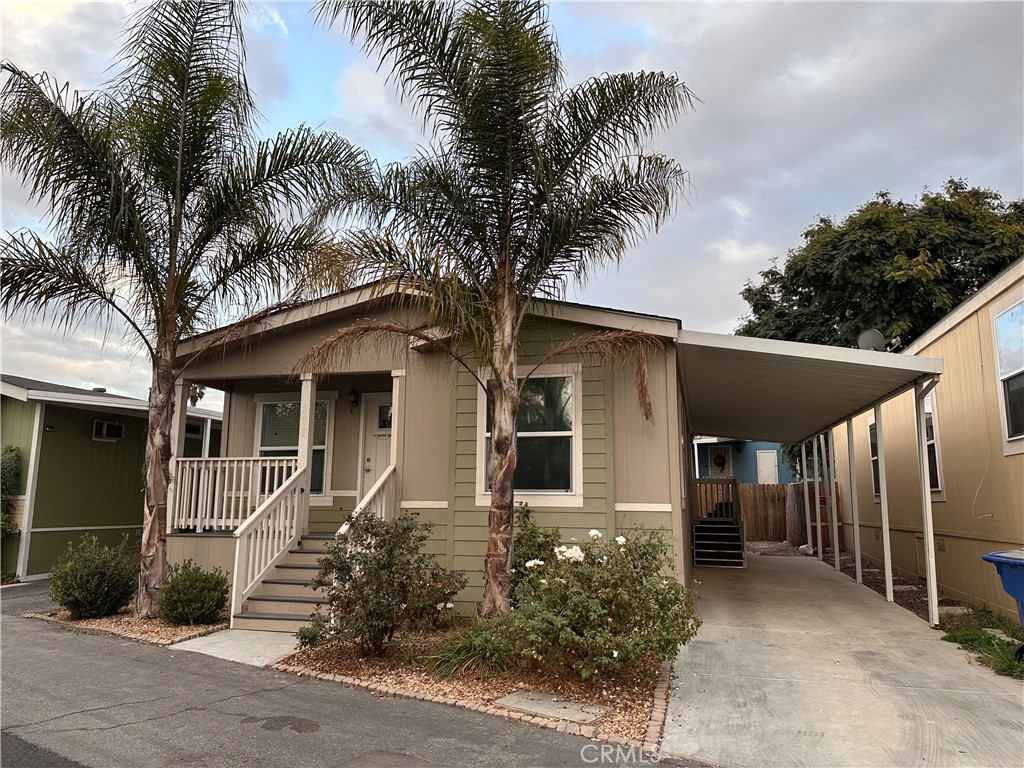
(871, 339)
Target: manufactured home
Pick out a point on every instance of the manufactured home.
(81, 456)
(974, 433)
(401, 429)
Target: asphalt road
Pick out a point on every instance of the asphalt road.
(102, 702)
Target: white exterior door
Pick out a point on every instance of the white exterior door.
(767, 467)
(376, 449)
(720, 460)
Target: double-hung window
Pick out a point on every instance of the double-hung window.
(549, 445)
(931, 437)
(1008, 328)
(873, 443)
(278, 435)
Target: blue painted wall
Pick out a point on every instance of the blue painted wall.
(744, 460)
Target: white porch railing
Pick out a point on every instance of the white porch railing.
(265, 537)
(219, 494)
(381, 495)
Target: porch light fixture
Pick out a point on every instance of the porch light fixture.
(353, 399)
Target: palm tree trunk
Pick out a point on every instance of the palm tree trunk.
(153, 560)
(501, 468)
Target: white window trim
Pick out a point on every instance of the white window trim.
(930, 408)
(331, 396)
(536, 498)
(1011, 445)
(875, 491)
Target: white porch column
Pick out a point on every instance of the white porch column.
(31, 482)
(920, 393)
(178, 421)
(832, 498)
(807, 493)
(853, 500)
(307, 412)
(883, 493)
(817, 504)
(828, 477)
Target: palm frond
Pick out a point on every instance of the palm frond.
(385, 335)
(633, 347)
(41, 281)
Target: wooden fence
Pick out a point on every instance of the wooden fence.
(776, 512)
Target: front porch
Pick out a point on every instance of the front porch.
(299, 457)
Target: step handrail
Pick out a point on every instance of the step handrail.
(375, 497)
(263, 540)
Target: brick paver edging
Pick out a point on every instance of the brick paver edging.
(70, 626)
(651, 743)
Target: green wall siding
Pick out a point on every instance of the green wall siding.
(47, 545)
(16, 421)
(84, 482)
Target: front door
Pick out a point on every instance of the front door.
(376, 449)
(720, 460)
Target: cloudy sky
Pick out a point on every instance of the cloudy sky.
(806, 109)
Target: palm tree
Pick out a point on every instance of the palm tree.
(167, 214)
(525, 186)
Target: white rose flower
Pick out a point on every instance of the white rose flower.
(440, 606)
(595, 534)
(450, 605)
(615, 654)
(620, 540)
(534, 563)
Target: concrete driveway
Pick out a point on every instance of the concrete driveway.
(797, 665)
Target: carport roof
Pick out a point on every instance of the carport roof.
(782, 391)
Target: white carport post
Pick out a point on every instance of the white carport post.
(920, 393)
(883, 493)
(853, 500)
(828, 461)
(807, 493)
(307, 429)
(817, 502)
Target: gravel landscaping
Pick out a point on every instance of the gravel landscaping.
(125, 624)
(630, 697)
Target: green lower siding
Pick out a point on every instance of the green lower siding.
(46, 546)
(9, 553)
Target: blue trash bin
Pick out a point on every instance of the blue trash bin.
(1010, 567)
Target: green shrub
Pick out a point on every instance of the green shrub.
(10, 479)
(531, 543)
(594, 607)
(90, 580)
(489, 646)
(191, 595)
(379, 581)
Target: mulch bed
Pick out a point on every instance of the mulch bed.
(124, 624)
(632, 698)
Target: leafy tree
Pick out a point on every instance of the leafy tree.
(10, 481)
(524, 187)
(166, 213)
(894, 266)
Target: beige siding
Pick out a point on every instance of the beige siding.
(206, 550)
(981, 507)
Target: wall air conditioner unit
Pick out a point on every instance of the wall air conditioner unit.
(107, 431)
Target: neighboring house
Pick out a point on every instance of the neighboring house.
(81, 466)
(749, 461)
(975, 447)
(400, 429)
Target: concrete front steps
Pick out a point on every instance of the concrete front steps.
(717, 543)
(284, 600)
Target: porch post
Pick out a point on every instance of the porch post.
(307, 409)
(832, 498)
(883, 493)
(807, 492)
(207, 428)
(830, 512)
(817, 503)
(920, 393)
(178, 421)
(853, 500)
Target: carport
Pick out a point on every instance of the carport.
(762, 389)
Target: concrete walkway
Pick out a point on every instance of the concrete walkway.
(797, 665)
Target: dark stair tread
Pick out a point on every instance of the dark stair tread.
(287, 582)
(299, 566)
(270, 616)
